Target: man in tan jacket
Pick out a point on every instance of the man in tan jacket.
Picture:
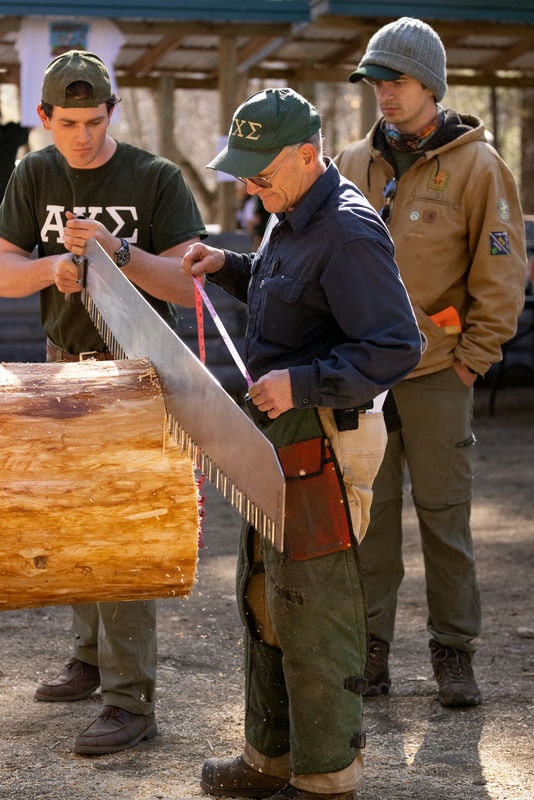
(453, 211)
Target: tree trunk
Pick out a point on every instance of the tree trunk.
(96, 499)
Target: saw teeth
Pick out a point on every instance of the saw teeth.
(247, 509)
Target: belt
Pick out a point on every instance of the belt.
(347, 418)
(54, 353)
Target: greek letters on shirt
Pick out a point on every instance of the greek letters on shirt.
(123, 220)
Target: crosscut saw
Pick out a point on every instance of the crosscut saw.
(205, 421)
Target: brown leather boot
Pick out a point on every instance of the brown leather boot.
(290, 792)
(454, 675)
(377, 669)
(232, 777)
(114, 730)
(76, 681)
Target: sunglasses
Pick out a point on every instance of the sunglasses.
(265, 183)
(389, 192)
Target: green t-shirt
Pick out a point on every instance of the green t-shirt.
(136, 195)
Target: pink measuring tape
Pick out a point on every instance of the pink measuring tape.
(200, 295)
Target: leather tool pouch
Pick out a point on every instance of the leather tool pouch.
(316, 519)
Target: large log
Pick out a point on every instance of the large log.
(97, 501)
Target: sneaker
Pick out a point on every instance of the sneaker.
(454, 675)
(376, 669)
(233, 777)
(76, 681)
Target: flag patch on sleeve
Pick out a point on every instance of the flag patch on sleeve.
(499, 243)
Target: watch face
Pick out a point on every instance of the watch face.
(122, 256)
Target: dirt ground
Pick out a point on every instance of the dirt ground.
(415, 749)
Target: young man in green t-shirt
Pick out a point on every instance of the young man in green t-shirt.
(139, 208)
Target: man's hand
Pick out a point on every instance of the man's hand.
(67, 275)
(464, 373)
(79, 230)
(272, 393)
(200, 259)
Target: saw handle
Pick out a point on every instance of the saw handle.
(81, 263)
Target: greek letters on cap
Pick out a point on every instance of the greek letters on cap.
(245, 129)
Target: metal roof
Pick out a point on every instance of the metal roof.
(290, 40)
(463, 10)
(216, 10)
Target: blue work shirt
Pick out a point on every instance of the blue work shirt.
(326, 300)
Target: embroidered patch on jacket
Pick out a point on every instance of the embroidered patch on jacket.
(503, 210)
(499, 243)
(439, 180)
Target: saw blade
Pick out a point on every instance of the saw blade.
(206, 422)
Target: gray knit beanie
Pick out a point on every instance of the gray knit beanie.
(407, 46)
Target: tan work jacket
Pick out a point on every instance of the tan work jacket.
(459, 236)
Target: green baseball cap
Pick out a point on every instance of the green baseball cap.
(76, 65)
(262, 126)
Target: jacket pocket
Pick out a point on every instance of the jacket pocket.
(437, 338)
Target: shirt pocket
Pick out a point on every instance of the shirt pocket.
(284, 315)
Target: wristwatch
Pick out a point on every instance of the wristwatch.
(122, 256)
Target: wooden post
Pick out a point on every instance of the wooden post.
(97, 501)
(165, 96)
(227, 99)
(369, 110)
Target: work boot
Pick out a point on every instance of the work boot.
(114, 730)
(290, 792)
(376, 669)
(232, 777)
(76, 681)
(454, 675)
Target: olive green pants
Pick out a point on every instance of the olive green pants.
(305, 649)
(435, 444)
(305, 639)
(121, 640)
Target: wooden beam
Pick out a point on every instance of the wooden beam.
(204, 28)
(146, 62)
(10, 75)
(255, 51)
(508, 55)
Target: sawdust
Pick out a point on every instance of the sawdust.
(416, 749)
